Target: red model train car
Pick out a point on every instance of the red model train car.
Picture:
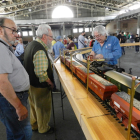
(103, 88)
(106, 90)
(74, 66)
(81, 72)
(120, 102)
(62, 59)
(68, 62)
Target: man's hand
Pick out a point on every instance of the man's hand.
(99, 56)
(21, 112)
(91, 57)
(50, 83)
(7, 91)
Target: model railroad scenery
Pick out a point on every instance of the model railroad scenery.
(109, 85)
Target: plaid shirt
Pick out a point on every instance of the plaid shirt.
(40, 61)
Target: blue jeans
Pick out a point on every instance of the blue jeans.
(20, 59)
(137, 48)
(16, 130)
(123, 51)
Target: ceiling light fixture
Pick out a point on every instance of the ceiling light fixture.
(62, 12)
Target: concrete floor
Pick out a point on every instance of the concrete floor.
(131, 60)
(69, 129)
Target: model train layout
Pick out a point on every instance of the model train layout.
(110, 85)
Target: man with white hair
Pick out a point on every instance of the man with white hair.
(38, 66)
(105, 47)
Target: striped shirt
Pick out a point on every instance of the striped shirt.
(40, 61)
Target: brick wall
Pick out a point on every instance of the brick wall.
(129, 25)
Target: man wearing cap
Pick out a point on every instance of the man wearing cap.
(57, 46)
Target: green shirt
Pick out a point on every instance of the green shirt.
(41, 63)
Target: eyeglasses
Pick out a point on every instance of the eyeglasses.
(13, 30)
(50, 36)
(98, 36)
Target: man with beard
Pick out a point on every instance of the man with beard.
(105, 47)
(14, 85)
(38, 66)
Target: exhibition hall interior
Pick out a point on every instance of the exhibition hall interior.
(93, 56)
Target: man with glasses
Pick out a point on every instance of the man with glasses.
(105, 47)
(38, 66)
(14, 85)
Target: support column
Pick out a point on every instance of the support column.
(72, 32)
(33, 30)
(118, 26)
(64, 35)
(28, 33)
(21, 34)
(77, 11)
(60, 32)
(84, 28)
(138, 25)
(91, 11)
(30, 16)
(92, 28)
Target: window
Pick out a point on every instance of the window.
(25, 33)
(75, 30)
(86, 29)
(30, 33)
(80, 30)
(125, 25)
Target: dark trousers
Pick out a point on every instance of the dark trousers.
(123, 51)
(15, 129)
(83, 56)
(19, 58)
(137, 48)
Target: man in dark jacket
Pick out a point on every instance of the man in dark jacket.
(119, 36)
(123, 39)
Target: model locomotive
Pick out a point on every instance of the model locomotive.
(111, 86)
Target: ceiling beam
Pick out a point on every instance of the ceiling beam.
(36, 21)
(96, 4)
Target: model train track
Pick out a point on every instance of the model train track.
(105, 103)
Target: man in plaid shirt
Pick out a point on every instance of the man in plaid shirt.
(38, 66)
